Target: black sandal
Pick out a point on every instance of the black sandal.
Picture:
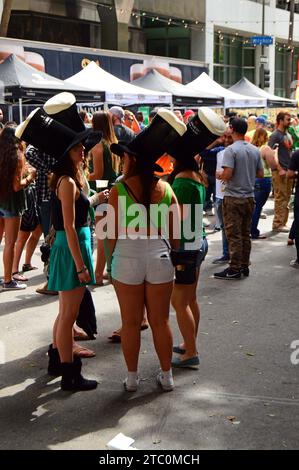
(28, 267)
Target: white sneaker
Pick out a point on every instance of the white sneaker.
(13, 285)
(167, 384)
(132, 385)
(294, 263)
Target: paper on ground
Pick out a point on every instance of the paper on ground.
(121, 442)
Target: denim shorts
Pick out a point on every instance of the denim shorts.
(7, 214)
(143, 260)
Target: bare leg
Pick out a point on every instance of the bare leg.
(11, 226)
(1, 228)
(158, 304)
(194, 306)
(144, 324)
(19, 246)
(181, 296)
(69, 307)
(101, 260)
(131, 302)
(32, 243)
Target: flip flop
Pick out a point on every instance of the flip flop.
(19, 277)
(82, 352)
(115, 337)
(81, 336)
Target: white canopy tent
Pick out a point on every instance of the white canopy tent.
(231, 99)
(116, 91)
(244, 86)
(181, 95)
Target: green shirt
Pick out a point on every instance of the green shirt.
(108, 174)
(267, 170)
(192, 195)
(132, 213)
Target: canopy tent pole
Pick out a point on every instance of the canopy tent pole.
(20, 110)
(10, 112)
(106, 107)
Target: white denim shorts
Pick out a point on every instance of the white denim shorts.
(136, 261)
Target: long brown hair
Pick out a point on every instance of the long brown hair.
(102, 121)
(260, 137)
(9, 161)
(65, 167)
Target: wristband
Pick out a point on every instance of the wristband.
(82, 270)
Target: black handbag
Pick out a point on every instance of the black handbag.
(183, 260)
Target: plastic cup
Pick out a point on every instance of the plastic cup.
(102, 184)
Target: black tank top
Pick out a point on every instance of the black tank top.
(81, 211)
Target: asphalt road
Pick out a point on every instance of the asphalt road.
(245, 394)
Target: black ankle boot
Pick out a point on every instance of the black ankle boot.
(54, 366)
(72, 380)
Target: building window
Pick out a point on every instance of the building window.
(234, 58)
(281, 54)
(166, 40)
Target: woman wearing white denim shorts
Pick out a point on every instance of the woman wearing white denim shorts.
(144, 209)
(142, 275)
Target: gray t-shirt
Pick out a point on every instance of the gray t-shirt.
(245, 160)
(285, 146)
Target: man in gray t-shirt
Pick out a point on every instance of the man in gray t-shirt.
(241, 165)
(245, 160)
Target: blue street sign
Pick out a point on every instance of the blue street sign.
(262, 40)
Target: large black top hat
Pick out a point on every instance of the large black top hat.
(63, 108)
(202, 130)
(49, 135)
(154, 140)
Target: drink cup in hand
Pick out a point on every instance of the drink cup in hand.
(103, 196)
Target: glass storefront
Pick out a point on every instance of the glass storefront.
(281, 54)
(234, 58)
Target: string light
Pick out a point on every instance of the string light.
(202, 26)
(190, 24)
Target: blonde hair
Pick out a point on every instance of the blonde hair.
(102, 121)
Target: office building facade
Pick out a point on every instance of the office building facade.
(215, 32)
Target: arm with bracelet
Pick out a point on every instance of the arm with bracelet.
(67, 195)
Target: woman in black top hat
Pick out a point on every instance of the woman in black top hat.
(71, 259)
(189, 189)
(140, 264)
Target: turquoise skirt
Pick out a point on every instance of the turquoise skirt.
(63, 273)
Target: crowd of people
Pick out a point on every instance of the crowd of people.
(142, 190)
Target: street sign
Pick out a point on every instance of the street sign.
(261, 40)
(264, 59)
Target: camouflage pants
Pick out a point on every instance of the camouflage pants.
(237, 213)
